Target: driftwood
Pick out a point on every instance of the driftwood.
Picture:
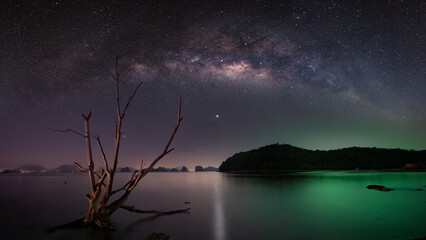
(79, 223)
(133, 209)
(101, 184)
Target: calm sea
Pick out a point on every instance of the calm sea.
(310, 205)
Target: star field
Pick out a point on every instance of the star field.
(316, 74)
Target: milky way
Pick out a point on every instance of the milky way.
(316, 74)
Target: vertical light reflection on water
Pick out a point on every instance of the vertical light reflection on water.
(219, 214)
(19, 185)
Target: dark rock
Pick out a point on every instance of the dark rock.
(160, 169)
(199, 169)
(187, 202)
(211, 169)
(125, 169)
(379, 188)
(157, 236)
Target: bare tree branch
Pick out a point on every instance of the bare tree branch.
(99, 209)
(117, 87)
(118, 125)
(130, 100)
(80, 167)
(68, 130)
(133, 209)
(100, 183)
(125, 185)
(90, 163)
(141, 167)
(120, 201)
(116, 129)
(131, 183)
(98, 139)
(86, 169)
(87, 117)
(166, 148)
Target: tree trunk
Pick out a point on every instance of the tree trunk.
(98, 217)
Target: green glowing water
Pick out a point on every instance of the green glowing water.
(312, 205)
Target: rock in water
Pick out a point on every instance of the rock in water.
(379, 188)
(158, 236)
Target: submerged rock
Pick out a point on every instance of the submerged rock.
(157, 236)
(379, 188)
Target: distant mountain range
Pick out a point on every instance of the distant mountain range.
(28, 169)
(69, 168)
(207, 169)
(287, 157)
(177, 169)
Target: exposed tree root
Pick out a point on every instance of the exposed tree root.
(133, 209)
(79, 223)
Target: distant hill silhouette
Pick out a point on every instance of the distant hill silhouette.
(126, 169)
(29, 168)
(207, 169)
(66, 168)
(177, 169)
(211, 169)
(287, 157)
(199, 169)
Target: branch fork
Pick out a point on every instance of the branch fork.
(101, 188)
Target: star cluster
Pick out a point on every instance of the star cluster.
(317, 74)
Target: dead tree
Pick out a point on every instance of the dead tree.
(101, 184)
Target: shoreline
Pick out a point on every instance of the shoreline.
(319, 170)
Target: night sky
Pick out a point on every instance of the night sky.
(314, 74)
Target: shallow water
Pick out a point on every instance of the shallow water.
(310, 205)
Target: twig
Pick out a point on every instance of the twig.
(130, 100)
(86, 170)
(166, 148)
(68, 130)
(125, 185)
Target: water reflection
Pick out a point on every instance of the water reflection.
(316, 205)
(219, 214)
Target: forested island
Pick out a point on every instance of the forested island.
(287, 157)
